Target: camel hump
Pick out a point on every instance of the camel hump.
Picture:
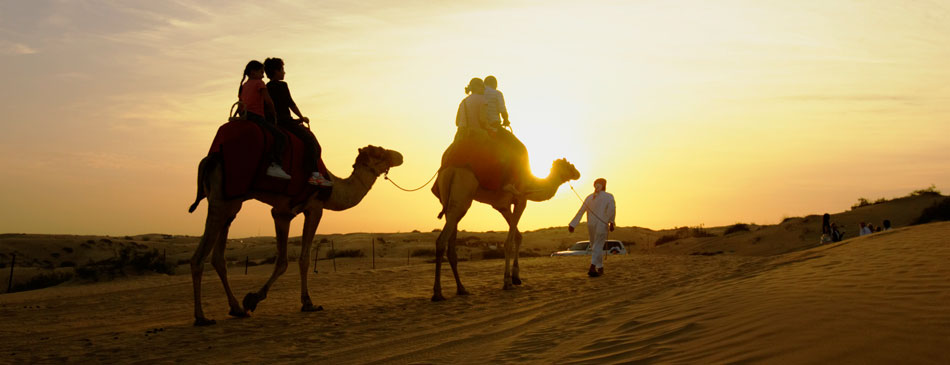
(496, 158)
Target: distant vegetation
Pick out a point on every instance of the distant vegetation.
(128, 261)
(423, 252)
(345, 253)
(738, 227)
(684, 232)
(928, 191)
(939, 211)
(43, 281)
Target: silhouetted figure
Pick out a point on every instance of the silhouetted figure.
(283, 105)
(826, 228)
(863, 230)
(601, 211)
(887, 224)
(495, 103)
(471, 117)
(836, 234)
(255, 103)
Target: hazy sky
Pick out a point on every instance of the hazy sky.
(696, 112)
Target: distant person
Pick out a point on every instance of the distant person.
(826, 228)
(254, 101)
(878, 229)
(283, 105)
(887, 224)
(863, 229)
(870, 228)
(495, 104)
(601, 211)
(836, 234)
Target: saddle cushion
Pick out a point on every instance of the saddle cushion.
(484, 159)
(242, 145)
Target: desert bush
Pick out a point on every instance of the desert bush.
(437, 230)
(880, 201)
(43, 281)
(497, 253)
(90, 242)
(416, 231)
(68, 249)
(54, 254)
(67, 264)
(128, 238)
(932, 190)
(699, 232)
(324, 240)
(105, 240)
(939, 211)
(381, 240)
(345, 253)
(666, 239)
(862, 202)
(427, 252)
(787, 219)
(128, 261)
(738, 227)
(146, 238)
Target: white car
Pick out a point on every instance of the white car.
(582, 248)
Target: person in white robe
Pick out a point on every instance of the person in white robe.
(601, 211)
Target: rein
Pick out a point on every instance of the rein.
(584, 203)
(386, 176)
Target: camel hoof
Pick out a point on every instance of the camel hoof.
(516, 280)
(438, 298)
(508, 287)
(311, 308)
(238, 313)
(462, 291)
(201, 322)
(250, 301)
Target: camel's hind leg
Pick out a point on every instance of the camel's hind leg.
(282, 226)
(453, 261)
(447, 232)
(221, 265)
(310, 223)
(215, 225)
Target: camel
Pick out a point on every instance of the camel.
(347, 193)
(457, 187)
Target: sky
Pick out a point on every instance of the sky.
(696, 112)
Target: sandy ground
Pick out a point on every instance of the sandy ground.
(884, 298)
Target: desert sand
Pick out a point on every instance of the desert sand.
(883, 298)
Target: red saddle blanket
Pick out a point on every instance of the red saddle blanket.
(484, 159)
(242, 146)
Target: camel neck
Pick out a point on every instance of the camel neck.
(348, 192)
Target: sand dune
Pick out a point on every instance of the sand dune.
(883, 298)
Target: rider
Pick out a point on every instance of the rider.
(283, 105)
(255, 100)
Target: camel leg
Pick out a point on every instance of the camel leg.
(282, 228)
(453, 261)
(516, 217)
(446, 234)
(221, 265)
(310, 223)
(214, 224)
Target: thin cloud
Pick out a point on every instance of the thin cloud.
(11, 48)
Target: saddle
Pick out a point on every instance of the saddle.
(241, 147)
(494, 158)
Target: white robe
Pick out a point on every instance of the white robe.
(601, 209)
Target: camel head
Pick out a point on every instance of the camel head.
(377, 159)
(564, 171)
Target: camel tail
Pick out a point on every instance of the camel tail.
(203, 168)
(444, 192)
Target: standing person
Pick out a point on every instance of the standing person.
(887, 224)
(601, 211)
(255, 104)
(283, 105)
(826, 228)
(836, 235)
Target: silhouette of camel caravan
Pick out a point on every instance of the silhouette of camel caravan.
(234, 171)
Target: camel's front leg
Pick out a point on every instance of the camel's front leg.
(516, 217)
(282, 227)
(310, 223)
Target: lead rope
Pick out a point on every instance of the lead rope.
(584, 203)
(386, 176)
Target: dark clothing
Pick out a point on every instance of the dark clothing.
(311, 158)
(280, 94)
(280, 139)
